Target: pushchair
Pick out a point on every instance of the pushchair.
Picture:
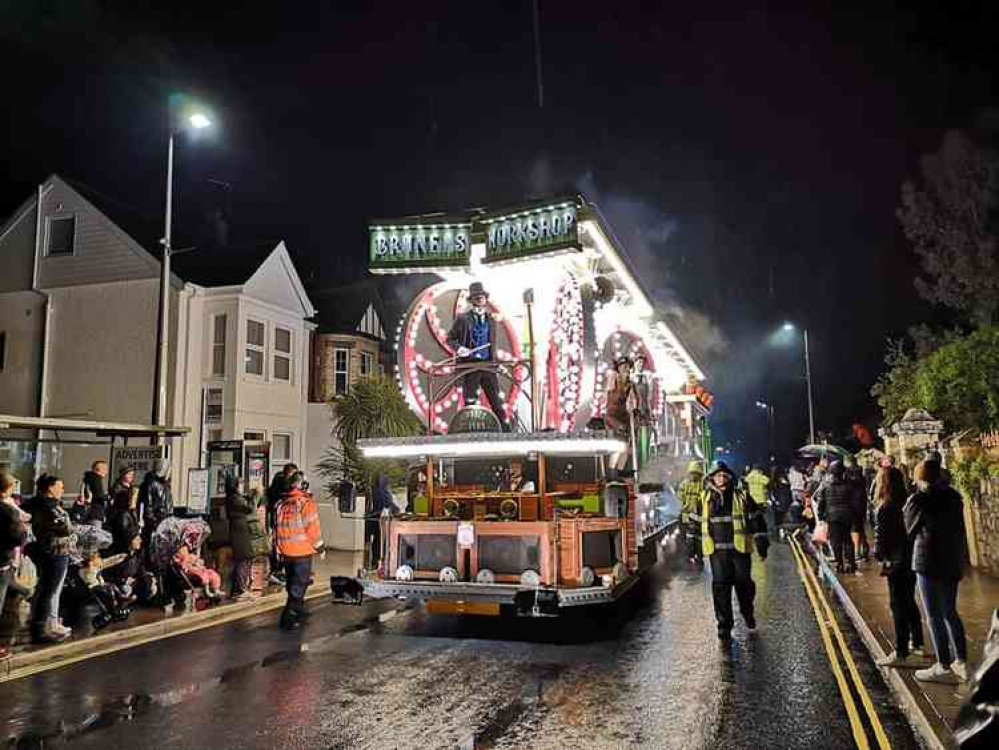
(168, 538)
(86, 594)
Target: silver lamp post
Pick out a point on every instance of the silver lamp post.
(196, 121)
(808, 380)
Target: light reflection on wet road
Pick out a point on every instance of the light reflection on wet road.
(658, 679)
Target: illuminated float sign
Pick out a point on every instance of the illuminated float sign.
(400, 247)
(512, 235)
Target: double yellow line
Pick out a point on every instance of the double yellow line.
(832, 635)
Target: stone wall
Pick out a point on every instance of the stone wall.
(984, 512)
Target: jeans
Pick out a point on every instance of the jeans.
(298, 572)
(51, 576)
(731, 569)
(939, 597)
(6, 576)
(905, 613)
(842, 544)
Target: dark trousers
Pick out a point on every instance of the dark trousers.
(939, 597)
(692, 541)
(490, 386)
(731, 569)
(842, 544)
(298, 573)
(908, 622)
(373, 542)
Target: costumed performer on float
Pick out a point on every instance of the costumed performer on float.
(472, 336)
(622, 402)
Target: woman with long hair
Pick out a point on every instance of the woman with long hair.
(934, 520)
(893, 549)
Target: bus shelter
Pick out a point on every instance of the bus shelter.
(67, 447)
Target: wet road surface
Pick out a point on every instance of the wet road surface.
(657, 678)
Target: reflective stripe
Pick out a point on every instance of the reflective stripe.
(721, 519)
(724, 545)
(759, 534)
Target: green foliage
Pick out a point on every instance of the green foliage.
(954, 377)
(895, 389)
(959, 382)
(373, 408)
(968, 474)
(951, 220)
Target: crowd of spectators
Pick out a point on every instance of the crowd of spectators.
(87, 560)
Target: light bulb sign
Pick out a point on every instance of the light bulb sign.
(531, 231)
(401, 247)
(444, 242)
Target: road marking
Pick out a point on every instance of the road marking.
(856, 725)
(827, 622)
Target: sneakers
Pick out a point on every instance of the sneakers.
(936, 673)
(910, 661)
(960, 669)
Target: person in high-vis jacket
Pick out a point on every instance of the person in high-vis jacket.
(690, 491)
(732, 523)
(298, 538)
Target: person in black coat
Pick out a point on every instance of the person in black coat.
(123, 522)
(893, 549)
(472, 337)
(836, 505)
(934, 519)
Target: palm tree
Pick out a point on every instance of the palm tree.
(373, 408)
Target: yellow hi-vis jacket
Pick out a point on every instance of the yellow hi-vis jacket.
(737, 527)
(759, 485)
(690, 492)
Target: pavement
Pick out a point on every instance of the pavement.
(151, 624)
(932, 707)
(648, 674)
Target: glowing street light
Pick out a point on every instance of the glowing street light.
(790, 328)
(196, 121)
(199, 121)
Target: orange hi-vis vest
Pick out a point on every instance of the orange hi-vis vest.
(296, 528)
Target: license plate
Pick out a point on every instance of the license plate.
(448, 607)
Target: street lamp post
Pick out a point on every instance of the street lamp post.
(771, 427)
(808, 382)
(197, 121)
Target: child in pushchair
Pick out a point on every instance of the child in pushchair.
(86, 590)
(176, 555)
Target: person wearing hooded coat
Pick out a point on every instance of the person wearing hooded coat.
(381, 501)
(247, 536)
(731, 525)
(690, 491)
(837, 499)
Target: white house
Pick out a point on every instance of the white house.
(78, 315)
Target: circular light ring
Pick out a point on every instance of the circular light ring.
(424, 341)
(530, 578)
(623, 341)
(404, 573)
(448, 574)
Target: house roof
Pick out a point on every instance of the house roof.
(340, 309)
(229, 266)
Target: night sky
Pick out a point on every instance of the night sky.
(751, 160)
